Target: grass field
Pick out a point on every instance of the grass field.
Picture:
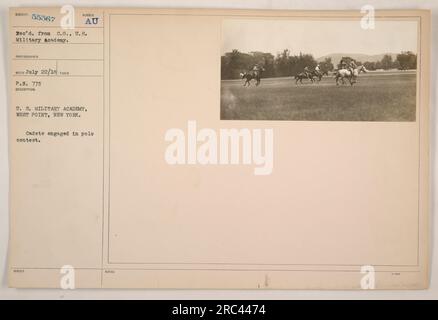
(379, 96)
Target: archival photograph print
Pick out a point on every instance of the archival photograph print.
(318, 70)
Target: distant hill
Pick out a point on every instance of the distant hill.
(336, 57)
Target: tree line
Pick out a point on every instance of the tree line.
(284, 64)
(403, 61)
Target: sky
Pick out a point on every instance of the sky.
(319, 37)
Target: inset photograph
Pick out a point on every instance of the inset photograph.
(318, 70)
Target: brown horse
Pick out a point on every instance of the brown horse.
(304, 75)
(250, 75)
(319, 74)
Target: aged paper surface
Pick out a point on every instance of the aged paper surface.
(125, 174)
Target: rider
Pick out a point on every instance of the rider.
(307, 71)
(256, 69)
(343, 64)
(352, 66)
(318, 69)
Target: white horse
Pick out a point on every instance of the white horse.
(346, 73)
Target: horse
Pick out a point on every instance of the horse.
(346, 73)
(304, 75)
(320, 74)
(249, 75)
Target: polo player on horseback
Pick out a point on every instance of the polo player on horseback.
(318, 70)
(352, 66)
(307, 71)
(256, 69)
(254, 73)
(343, 64)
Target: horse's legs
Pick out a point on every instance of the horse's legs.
(343, 80)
